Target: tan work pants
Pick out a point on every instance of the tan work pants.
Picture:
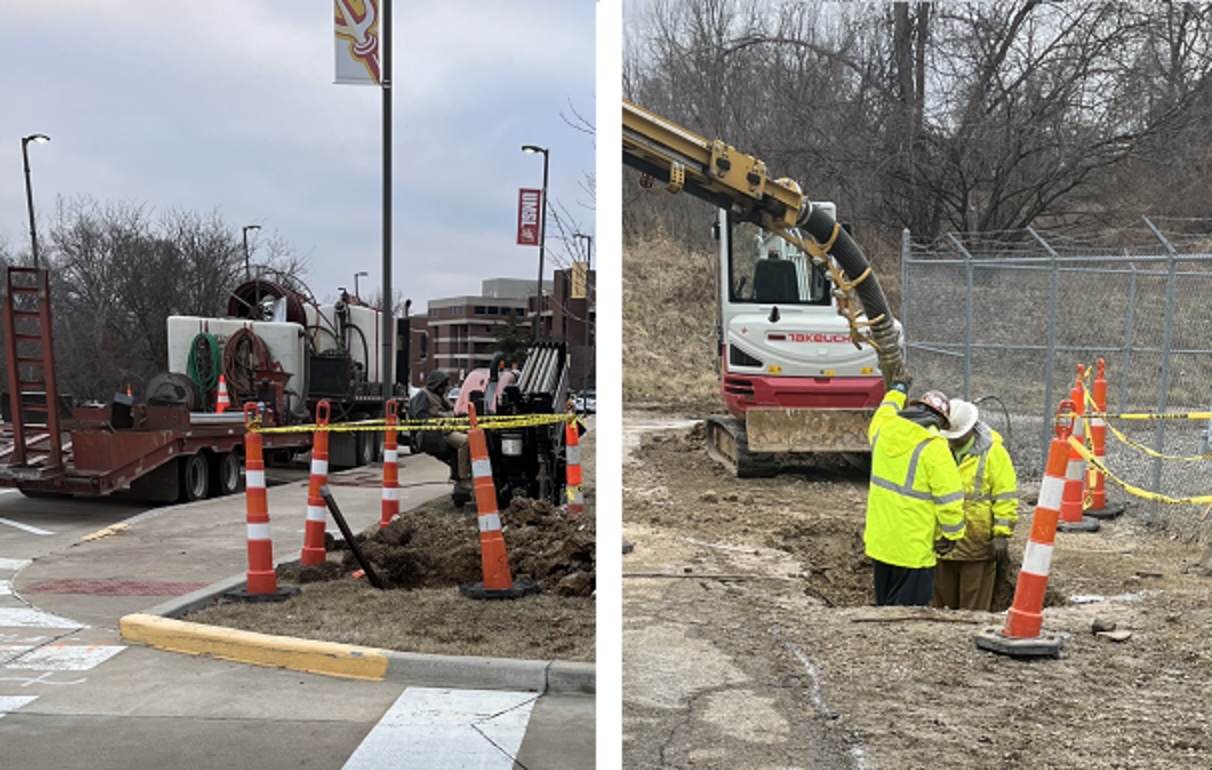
(965, 585)
(458, 442)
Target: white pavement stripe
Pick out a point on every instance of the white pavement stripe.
(15, 565)
(28, 528)
(29, 618)
(66, 657)
(8, 491)
(6, 588)
(13, 702)
(427, 729)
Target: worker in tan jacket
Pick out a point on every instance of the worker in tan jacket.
(966, 577)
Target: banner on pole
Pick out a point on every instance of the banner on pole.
(356, 26)
(530, 203)
(580, 275)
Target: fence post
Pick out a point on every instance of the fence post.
(1050, 365)
(1163, 388)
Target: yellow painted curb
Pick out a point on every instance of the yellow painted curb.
(330, 658)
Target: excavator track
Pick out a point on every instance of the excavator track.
(728, 444)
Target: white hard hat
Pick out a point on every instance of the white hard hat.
(963, 417)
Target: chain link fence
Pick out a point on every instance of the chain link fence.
(1011, 315)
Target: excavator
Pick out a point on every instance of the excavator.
(807, 344)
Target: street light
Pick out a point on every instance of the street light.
(358, 275)
(588, 260)
(531, 149)
(247, 271)
(29, 190)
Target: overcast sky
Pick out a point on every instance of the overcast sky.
(230, 106)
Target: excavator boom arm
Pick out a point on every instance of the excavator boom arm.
(721, 175)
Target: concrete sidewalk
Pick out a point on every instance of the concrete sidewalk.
(197, 551)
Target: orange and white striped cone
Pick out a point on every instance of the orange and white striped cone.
(262, 578)
(391, 468)
(1098, 436)
(1071, 518)
(497, 584)
(222, 401)
(1021, 635)
(572, 468)
(314, 551)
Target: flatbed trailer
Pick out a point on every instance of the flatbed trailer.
(160, 453)
(165, 454)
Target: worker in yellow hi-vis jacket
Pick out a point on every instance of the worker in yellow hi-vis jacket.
(915, 501)
(967, 576)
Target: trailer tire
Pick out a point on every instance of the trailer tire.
(195, 477)
(225, 474)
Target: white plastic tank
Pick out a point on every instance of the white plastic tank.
(283, 339)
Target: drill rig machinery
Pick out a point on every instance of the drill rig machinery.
(795, 375)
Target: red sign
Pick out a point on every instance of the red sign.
(530, 203)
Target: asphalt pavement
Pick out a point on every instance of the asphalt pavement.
(140, 575)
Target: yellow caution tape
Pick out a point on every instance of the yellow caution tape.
(1089, 457)
(487, 422)
(1154, 453)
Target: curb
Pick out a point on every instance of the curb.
(160, 627)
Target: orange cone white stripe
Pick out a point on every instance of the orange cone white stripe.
(493, 557)
(222, 402)
(1075, 468)
(391, 468)
(1025, 617)
(1098, 436)
(262, 578)
(572, 468)
(317, 512)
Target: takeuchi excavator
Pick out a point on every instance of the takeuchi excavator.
(806, 341)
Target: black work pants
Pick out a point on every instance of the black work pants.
(903, 586)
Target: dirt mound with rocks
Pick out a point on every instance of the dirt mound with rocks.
(435, 546)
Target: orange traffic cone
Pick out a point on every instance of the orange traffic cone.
(317, 512)
(223, 401)
(572, 468)
(1021, 634)
(1071, 518)
(1098, 435)
(498, 584)
(390, 504)
(262, 578)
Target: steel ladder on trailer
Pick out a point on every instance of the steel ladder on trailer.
(30, 355)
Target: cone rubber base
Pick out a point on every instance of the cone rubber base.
(1042, 646)
(1085, 525)
(478, 591)
(242, 595)
(1110, 512)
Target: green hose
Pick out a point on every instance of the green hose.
(205, 374)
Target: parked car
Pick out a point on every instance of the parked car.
(585, 402)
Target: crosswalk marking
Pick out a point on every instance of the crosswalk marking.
(24, 617)
(449, 729)
(14, 565)
(13, 702)
(65, 657)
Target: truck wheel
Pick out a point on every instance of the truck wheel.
(225, 474)
(195, 477)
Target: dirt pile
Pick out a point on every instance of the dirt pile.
(435, 546)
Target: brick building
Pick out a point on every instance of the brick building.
(459, 334)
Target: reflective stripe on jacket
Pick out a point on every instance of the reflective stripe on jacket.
(915, 496)
(990, 495)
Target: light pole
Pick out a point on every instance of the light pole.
(588, 262)
(358, 275)
(530, 149)
(29, 190)
(247, 270)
